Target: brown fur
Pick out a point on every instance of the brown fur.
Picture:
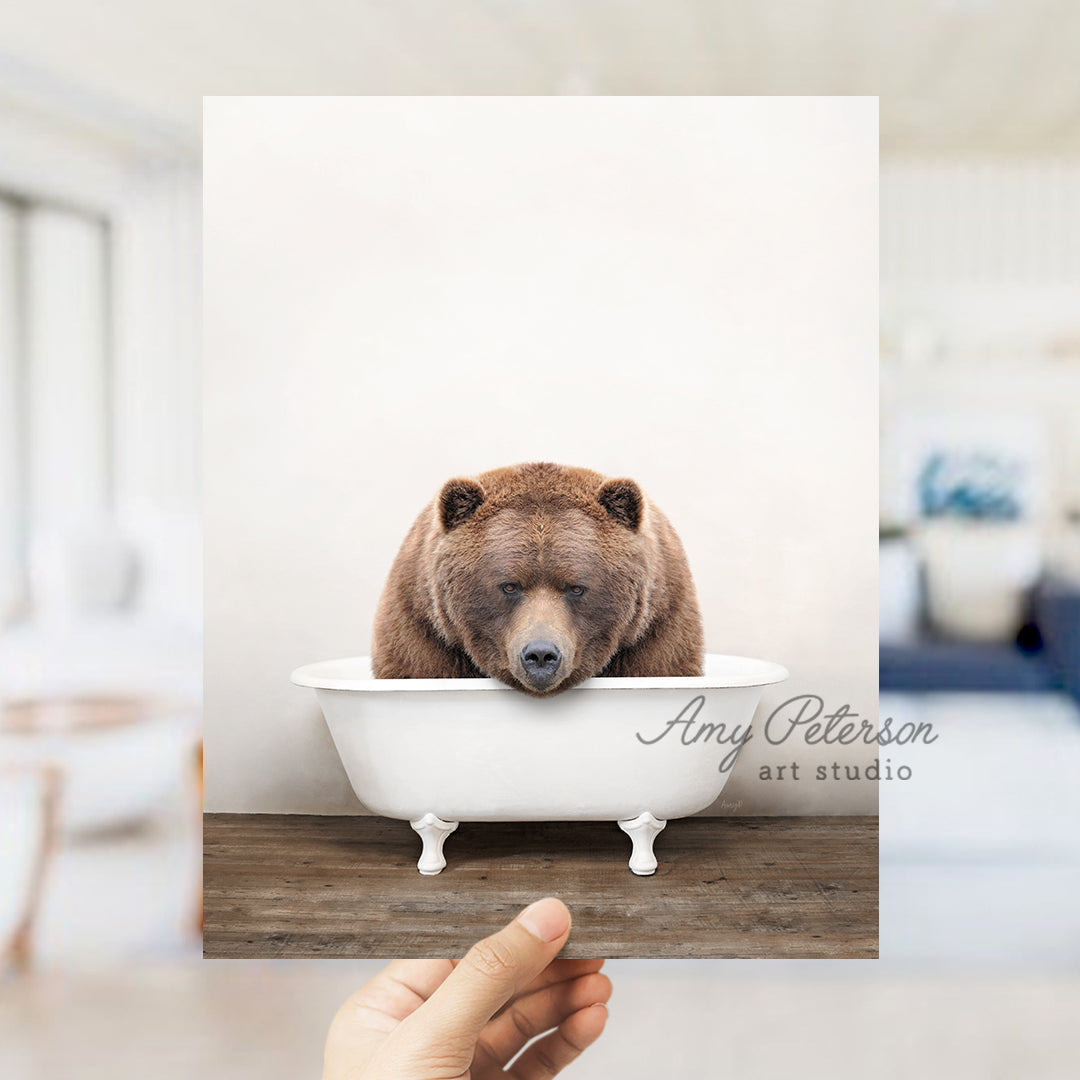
(443, 613)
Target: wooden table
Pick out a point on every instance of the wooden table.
(284, 886)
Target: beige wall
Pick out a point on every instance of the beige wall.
(399, 290)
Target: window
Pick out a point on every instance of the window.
(56, 459)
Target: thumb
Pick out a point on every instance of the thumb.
(492, 972)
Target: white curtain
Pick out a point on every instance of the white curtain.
(157, 386)
(11, 515)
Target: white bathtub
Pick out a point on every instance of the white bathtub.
(436, 752)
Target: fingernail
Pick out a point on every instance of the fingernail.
(547, 919)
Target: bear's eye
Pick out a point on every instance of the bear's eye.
(576, 590)
(510, 588)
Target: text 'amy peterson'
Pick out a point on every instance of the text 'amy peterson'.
(804, 715)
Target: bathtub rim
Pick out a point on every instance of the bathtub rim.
(328, 675)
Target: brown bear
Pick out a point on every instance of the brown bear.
(538, 575)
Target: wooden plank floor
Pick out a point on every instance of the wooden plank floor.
(299, 886)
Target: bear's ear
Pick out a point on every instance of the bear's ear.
(458, 501)
(623, 500)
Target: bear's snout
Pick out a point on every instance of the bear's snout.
(540, 660)
(540, 656)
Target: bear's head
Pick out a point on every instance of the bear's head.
(541, 572)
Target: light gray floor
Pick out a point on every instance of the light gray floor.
(980, 850)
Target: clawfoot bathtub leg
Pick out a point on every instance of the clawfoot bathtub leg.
(433, 831)
(643, 830)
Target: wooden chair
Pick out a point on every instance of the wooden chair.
(42, 786)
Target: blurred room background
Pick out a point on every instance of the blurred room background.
(99, 569)
(100, 592)
(980, 554)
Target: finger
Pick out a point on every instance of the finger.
(396, 992)
(421, 977)
(548, 1056)
(492, 972)
(404, 985)
(575, 966)
(538, 1012)
(556, 972)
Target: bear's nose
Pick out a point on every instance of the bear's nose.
(541, 659)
